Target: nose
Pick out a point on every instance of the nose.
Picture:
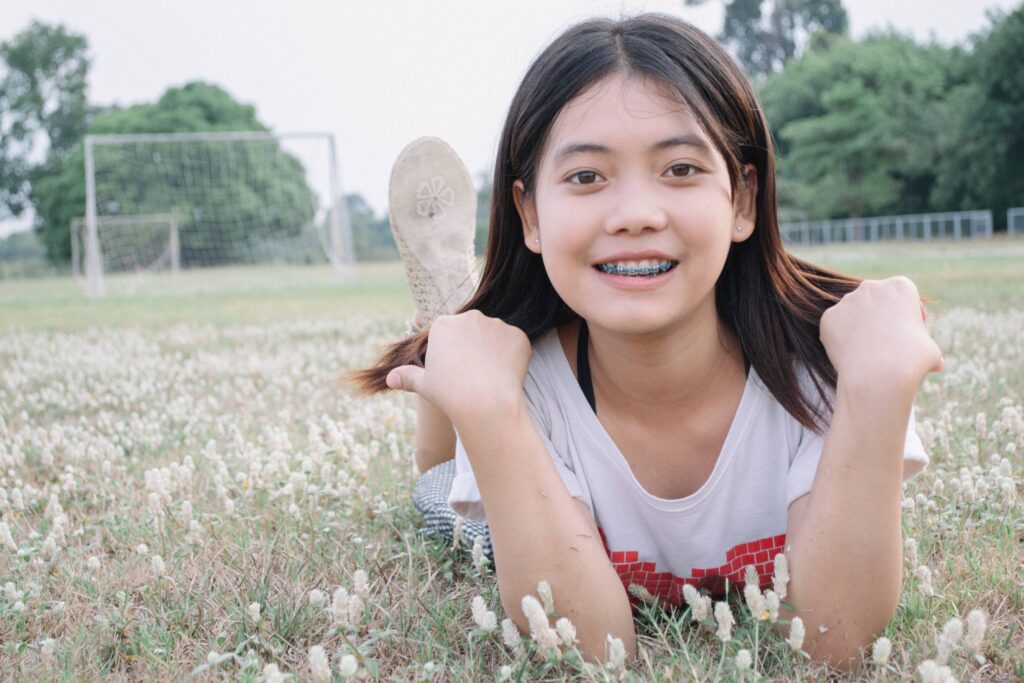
(637, 207)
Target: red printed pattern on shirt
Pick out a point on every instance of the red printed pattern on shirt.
(665, 585)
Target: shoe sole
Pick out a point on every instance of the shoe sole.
(432, 211)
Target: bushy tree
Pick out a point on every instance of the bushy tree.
(980, 136)
(854, 122)
(43, 108)
(253, 188)
(765, 34)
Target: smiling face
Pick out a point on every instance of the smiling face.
(633, 209)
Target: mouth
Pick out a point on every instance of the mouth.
(648, 268)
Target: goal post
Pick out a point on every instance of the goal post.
(241, 197)
(145, 243)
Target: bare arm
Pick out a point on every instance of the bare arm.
(844, 538)
(541, 533)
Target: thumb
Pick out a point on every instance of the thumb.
(405, 378)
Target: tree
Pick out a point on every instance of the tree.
(43, 107)
(856, 125)
(250, 175)
(764, 40)
(980, 158)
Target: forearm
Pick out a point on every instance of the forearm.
(846, 556)
(540, 532)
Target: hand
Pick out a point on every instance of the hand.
(875, 336)
(474, 364)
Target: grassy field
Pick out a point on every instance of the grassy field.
(187, 488)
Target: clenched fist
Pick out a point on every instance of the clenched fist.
(875, 336)
(474, 365)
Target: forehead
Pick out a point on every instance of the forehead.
(622, 110)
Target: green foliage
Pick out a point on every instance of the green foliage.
(765, 40)
(252, 189)
(370, 234)
(887, 126)
(43, 107)
(848, 121)
(980, 152)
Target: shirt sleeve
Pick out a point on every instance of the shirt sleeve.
(805, 463)
(464, 498)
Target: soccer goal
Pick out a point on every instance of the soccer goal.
(175, 201)
(130, 244)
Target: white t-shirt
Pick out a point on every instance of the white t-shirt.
(736, 518)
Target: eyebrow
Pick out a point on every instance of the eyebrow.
(687, 139)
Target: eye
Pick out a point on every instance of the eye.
(585, 177)
(682, 170)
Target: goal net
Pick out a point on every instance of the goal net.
(189, 200)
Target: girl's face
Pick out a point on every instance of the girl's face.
(633, 209)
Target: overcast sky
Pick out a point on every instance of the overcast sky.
(379, 73)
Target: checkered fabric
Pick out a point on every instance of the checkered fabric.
(430, 497)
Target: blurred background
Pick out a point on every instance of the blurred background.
(879, 110)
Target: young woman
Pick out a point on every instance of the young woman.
(645, 386)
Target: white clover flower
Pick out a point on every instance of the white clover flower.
(975, 630)
(924, 580)
(317, 598)
(510, 635)
(272, 674)
(540, 629)
(253, 611)
(504, 673)
(339, 607)
(641, 593)
(544, 593)
(780, 578)
(566, 632)
(348, 667)
(93, 563)
(361, 583)
(931, 672)
(796, 633)
(699, 609)
(880, 651)
(479, 559)
(157, 563)
(950, 637)
(319, 666)
(485, 619)
(750, 577)
(616, 661)
(910, 545)
(6, 538)
(723, 615)
(755, 601)
(772, 604)
(743, 660)
(356, 608)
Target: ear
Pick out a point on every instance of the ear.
(745, 204)
(527, 216)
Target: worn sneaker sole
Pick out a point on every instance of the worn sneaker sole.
(432, 210)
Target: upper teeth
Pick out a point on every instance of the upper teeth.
(647, 263)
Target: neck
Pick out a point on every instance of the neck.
(648, 375)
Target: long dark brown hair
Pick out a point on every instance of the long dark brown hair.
(772, 300)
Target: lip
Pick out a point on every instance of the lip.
(647, 254)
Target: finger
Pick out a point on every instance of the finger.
(940, 364)
(405, 378)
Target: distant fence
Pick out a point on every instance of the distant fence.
(954, 225)
(1015, 221)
